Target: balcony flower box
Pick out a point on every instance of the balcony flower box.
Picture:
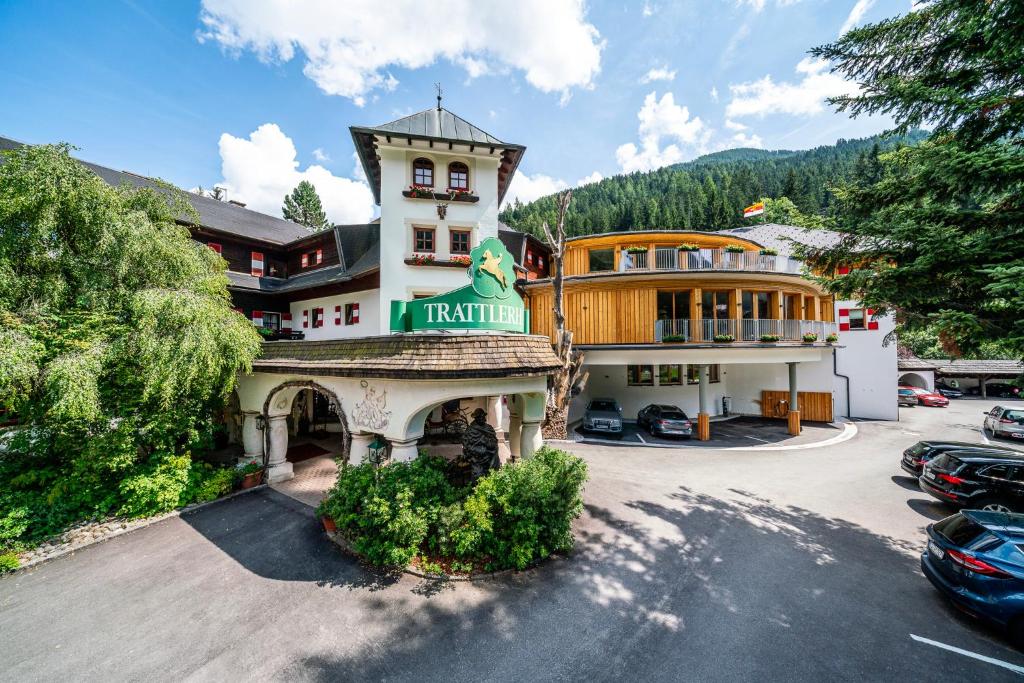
(734, 249)
(421, 260)
(769, 338)
(810, 338)
(415, 192)
(635, 249)
(832, 338)
(769, 252)
(456, 261)
(686, 246)
(674, 338)
(724, 339)
(461, 259)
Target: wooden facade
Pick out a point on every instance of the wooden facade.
(815, 406)
(577, 252)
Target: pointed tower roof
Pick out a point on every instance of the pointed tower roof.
(435, 126)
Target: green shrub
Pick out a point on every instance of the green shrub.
(206, 483)
(8, 562)
(511, 518)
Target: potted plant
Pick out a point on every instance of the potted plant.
(461, 259)
(832, 338)
(724, 338)
(810, 337)
(769, 338)
(420, 192)
(768, 251)
(674, 338)
(422, 259)
(734, 249)
(636, 249)
(325, 517)
(251, 473)
(688, 246)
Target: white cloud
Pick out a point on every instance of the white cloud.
(348, 46)
(735, 125)
(648, 9)
(262, 169)
(320, 155)
(527, 188)
(714, 94)
(661, 119)
(358, 172)
(805, 98)
(856, 14)
(758, 5)
(744, 140)
(661, 73)
(594, 177)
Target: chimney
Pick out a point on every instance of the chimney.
(236, 203)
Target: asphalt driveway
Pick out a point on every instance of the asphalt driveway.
(713, 565)
(737, 432)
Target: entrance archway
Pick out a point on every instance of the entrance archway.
(304, 420)
(912, 379)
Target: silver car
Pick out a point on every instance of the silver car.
(1007, 422)
(603, 415)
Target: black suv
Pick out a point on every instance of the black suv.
(921, 452)
(977, 479)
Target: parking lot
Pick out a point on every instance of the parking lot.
(690, 564)
(736, 432)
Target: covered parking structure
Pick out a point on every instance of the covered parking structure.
(977, 373)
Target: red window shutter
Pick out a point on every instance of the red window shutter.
(286, 322)
(320, 317)
(337, 315)
(872, 323)
(355, 313)
(305, 318)
(257, 263)
(844, 312)
(216, 247)
(844, 327)
(319, 256)
(305, 260)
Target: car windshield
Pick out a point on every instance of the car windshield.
(918, 448)
(920, 391)
(906, 392)
(959, 530)
(603, 405)
(1015, 415)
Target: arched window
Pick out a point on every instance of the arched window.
(423, 172)
(458, 176)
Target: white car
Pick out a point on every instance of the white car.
(1008, 422)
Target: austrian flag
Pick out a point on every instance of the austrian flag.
(754, 210)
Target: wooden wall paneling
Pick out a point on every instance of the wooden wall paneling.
(815, 406)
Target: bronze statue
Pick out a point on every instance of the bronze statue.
(480, 446)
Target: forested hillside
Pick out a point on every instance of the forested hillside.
(708, 193)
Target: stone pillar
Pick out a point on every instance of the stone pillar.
(703, 416)
(278, 467)
(531, 440)
(252, 438)
(404, 451)
(359, 450)
(494, 414)
(794, 402)
(515, 427)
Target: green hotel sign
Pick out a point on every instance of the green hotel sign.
(489, 302)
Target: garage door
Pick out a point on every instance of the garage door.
(815, 406)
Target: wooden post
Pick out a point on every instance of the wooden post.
(794, 422)
(695, 314)
(703, 427)
(703, 417)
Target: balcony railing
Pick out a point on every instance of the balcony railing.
(705, 330)
(670, 258)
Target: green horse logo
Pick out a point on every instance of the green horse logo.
(492, 269)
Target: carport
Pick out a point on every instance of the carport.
(980, 371)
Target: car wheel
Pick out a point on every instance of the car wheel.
(994, 505)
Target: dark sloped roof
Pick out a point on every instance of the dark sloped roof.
(783, 238)
(914, 364)
(440, 124)
(434, 125)
(213, 214)
(413, 356)
(1006, 368)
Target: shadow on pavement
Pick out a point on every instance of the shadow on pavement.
(932, 509)
(909, 483)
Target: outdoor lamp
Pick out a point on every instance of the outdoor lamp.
(261, 422)
(377, 451)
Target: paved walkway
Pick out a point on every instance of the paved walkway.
(313, 478)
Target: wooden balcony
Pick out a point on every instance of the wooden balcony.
(726, 330)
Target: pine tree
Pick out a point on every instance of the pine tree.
(303, 206)
(937, 227)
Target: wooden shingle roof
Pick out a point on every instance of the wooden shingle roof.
(413, 356)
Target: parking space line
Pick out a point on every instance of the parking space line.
(755, 438)
(973, 655)
(640, 437)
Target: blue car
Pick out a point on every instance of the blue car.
(975, 558)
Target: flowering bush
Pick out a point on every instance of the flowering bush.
(832, 338)
(810, 337)
(251, 467)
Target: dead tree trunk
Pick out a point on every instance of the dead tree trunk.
(569, 373)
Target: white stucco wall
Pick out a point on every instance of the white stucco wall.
(399, 214)
(369, 316)
(871, 368)
(917, 377)
(745, 382)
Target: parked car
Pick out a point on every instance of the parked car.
(974, 559)
(977, 479)
(948, 391)
(927, 398)
(1008, 422)
(603, 415)
(997, 390)
(664, 420)
(906, 397)
(915, 457)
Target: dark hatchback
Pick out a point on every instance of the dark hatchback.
(977, 479)
(665, 420)
(921, 452)
(976, 559)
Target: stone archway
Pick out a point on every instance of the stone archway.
(276, 409)
(912, 379)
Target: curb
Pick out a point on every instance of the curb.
(135, 525)
(849, 431)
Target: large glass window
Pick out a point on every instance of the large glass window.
(693, 374)
(458, 176)
(423, 173)
(673, 305)
(715, 305)
(640, 375)
(756, 305)
(602, 260)
(670, 375)
(791, 306)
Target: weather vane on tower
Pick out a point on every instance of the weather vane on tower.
(439, 93)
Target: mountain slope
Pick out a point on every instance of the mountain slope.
(708, 193)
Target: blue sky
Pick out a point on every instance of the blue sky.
(253, 95)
